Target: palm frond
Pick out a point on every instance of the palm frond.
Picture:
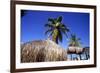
(63, 26)
(59, 19)
(51, 20)
(23, 12)
(48, 31)
(64, 32)
(74, 41)
(56, 29)
(48, 25)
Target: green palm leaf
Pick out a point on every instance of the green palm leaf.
(56, 29)
(59, 19)
(74, 41)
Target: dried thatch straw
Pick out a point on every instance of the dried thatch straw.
(40, 51)
(74, 49)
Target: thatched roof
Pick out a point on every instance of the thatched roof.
(40, 51)
(74, 49)
(86, 50)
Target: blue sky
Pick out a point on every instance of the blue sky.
(32, 25)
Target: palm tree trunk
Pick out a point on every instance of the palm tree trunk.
(55, 39)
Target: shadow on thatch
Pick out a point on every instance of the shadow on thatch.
(42, 51)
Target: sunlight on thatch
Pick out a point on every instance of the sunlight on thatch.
(40, 51)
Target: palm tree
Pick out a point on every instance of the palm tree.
(74, 41)
(75, 45)
(23, 12)
(56, 29)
